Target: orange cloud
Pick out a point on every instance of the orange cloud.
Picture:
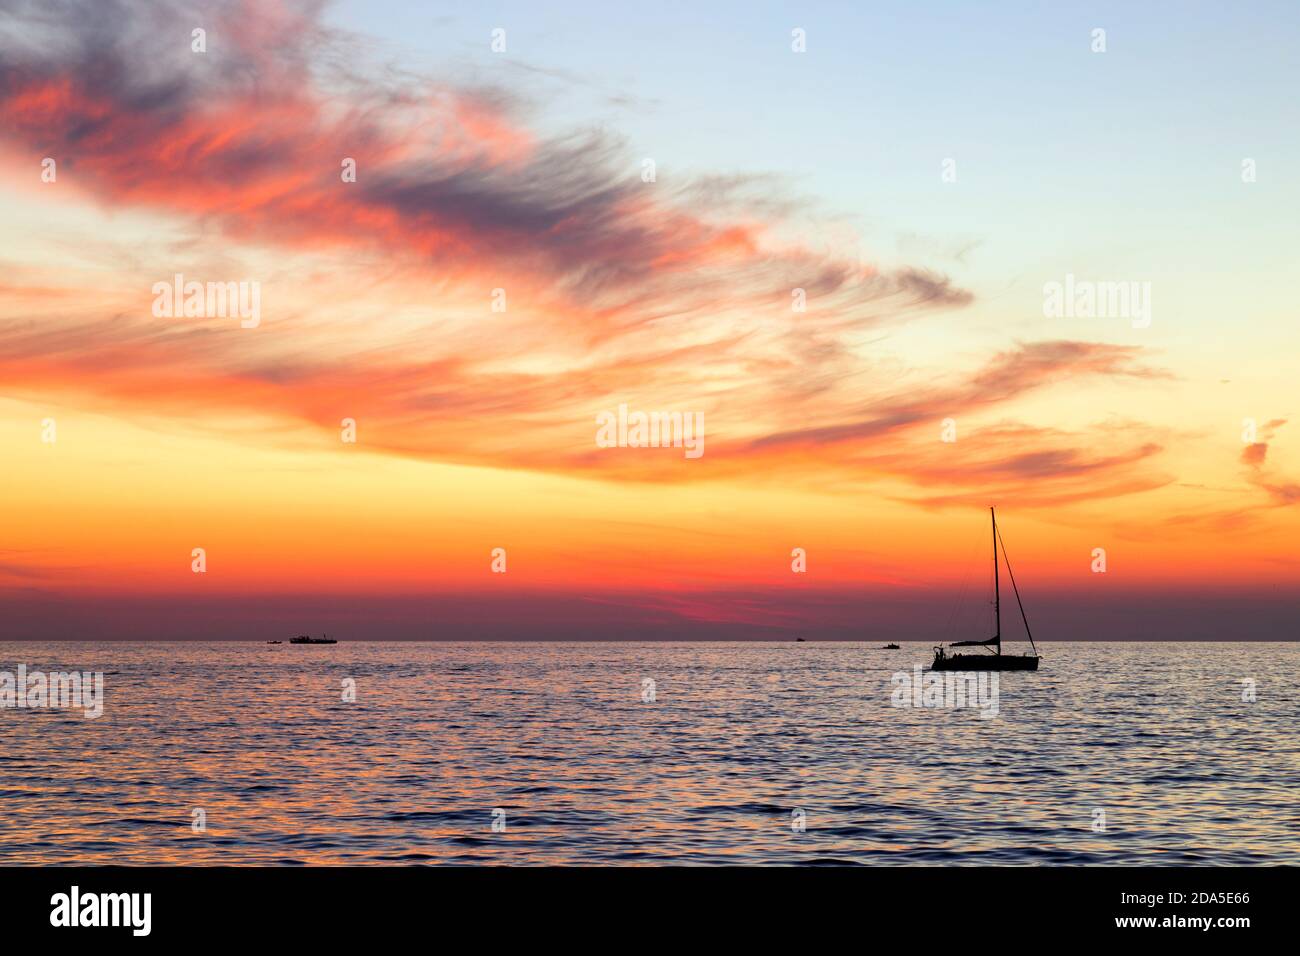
(673, 298)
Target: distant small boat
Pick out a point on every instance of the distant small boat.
(304, 639)
(798, 640)
(275, 642)
(995, 661)
(890, 647)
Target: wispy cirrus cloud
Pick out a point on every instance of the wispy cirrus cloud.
(250, 136)
(1005, 376)
(671, 294)
(1281, 491)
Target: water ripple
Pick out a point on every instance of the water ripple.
(749, 753)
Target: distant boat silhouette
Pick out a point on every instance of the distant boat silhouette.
(890, 647)
(995, 661)
(275, 642)
(304, 639)
(798, 640)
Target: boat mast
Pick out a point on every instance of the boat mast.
(997, 608)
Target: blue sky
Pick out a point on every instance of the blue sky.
(1066, 159)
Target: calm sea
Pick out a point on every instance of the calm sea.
(747, 753)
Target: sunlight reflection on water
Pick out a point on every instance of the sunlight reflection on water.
(738, 736)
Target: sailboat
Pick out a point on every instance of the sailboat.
(993, 659)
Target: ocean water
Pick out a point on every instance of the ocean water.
(740, 742)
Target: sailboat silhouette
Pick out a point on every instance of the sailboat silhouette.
(996, 660)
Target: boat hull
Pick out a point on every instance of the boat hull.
(985, 662)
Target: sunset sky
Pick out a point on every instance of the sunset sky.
(1171, 445)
